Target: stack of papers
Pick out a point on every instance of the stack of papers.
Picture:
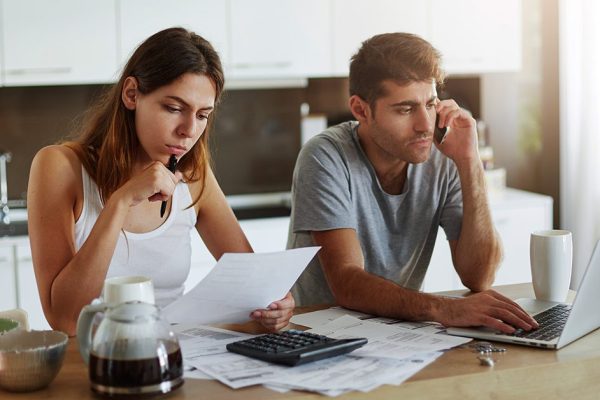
(395, 352)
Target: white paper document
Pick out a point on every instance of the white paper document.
(387, 341)
(239, 284)
(321, 317)
(332, 376)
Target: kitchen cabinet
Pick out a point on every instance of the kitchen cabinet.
(58, 42)
(268, 41)
(138, 19)
(477, 36)
(28, 297)
(473, 36)
(18, 287)
(280, 39)
(354, 22)
(515, 214)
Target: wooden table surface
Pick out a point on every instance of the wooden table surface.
(522, 372)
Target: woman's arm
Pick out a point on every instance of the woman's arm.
(221, 233)
(68, 279)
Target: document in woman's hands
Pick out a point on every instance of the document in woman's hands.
(239, 284)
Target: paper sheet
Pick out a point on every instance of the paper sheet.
(387, 341)
(321, 317)
(239, 284)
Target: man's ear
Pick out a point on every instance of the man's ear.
(360, 109)
(130, 92)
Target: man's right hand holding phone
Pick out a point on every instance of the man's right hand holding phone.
(459, 142)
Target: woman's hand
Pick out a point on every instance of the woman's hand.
(154, 183)
(277, 315)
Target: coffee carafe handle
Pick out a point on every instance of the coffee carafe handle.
(84, 328)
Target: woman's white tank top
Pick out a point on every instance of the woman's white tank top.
(164, 254)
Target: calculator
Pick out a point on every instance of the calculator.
(294, 347)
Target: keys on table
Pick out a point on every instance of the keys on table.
(485, 351)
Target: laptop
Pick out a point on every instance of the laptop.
(560, 323)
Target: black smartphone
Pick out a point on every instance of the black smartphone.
(439, 133)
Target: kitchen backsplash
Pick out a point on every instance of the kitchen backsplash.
(255, 139)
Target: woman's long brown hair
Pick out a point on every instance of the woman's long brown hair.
(108, 144)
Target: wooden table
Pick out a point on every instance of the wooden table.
(570, 373)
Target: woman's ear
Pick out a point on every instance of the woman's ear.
(359, 108)
(129, 93)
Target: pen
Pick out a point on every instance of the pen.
(171, 167)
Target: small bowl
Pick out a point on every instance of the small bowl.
(7, 324)
(30, 360)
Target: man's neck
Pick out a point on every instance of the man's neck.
(391, 172)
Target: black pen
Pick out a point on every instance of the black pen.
(171, 167)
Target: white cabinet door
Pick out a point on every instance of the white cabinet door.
(514, 227)
(139, 19)
(59, 41)
(280, 39)
(28, 295)
(477, 36)
(266, 234)
(355, 21)
(8, 293)
(441, 275)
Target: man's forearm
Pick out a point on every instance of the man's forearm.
(365, 292)
(478, 250)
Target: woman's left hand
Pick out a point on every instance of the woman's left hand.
(277, 315)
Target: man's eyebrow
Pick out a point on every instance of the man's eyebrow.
(411, 103)
(185, 103)
(405, 103)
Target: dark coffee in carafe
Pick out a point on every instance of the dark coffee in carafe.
(149, 374)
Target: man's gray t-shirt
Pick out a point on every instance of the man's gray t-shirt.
(335, 186)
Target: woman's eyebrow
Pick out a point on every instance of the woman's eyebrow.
(186, 104)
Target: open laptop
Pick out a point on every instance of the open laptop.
(570, 322)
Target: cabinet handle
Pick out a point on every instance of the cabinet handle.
(38, 71)
(276, 65)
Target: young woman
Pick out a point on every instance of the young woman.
(94, 203)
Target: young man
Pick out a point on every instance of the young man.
(373, 192)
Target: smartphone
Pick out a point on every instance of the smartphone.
(439, 133)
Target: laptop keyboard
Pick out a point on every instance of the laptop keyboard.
(552, 321)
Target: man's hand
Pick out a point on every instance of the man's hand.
(460, 142)
(277, 315)
(490, 309)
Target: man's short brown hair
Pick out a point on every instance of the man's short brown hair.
(399, 57)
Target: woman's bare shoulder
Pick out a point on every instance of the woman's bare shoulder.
(57, 155)
(57, 165)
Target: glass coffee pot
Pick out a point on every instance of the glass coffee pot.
(132, 351)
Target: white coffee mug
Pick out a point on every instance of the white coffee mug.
(127, 288)
(551, 257)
